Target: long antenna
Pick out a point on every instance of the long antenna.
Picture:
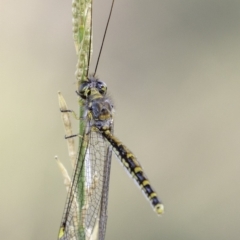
(90, 42)
(103, 38)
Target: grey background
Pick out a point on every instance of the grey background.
(172, 68)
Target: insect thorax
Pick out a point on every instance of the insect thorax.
(99, 110)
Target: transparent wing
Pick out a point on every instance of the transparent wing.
(104, 201)
(96, 181)
(92, 174)
(70, 226)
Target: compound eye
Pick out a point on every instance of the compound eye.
(84, 90)
(102, 87)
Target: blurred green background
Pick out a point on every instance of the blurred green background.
(172, 69)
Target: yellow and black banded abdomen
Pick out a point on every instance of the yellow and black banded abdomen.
(134, 168)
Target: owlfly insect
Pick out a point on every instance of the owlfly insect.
(92, 169)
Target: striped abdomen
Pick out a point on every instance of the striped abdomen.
(134, 168)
